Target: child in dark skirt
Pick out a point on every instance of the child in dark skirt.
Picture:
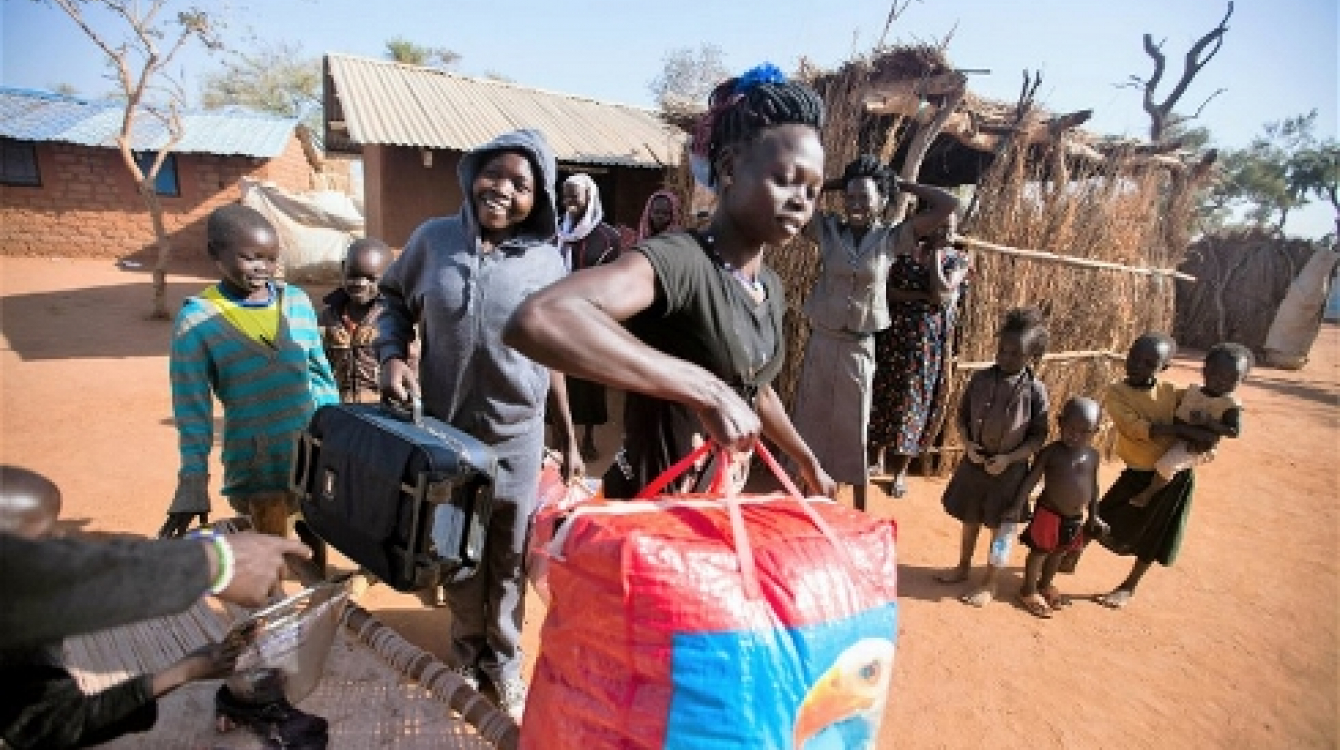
(1142, 409)
(1003, 420)
(1069, 470)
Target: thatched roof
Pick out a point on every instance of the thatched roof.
(906, 85)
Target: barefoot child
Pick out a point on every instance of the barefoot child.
(1142, 409)
(1068, 469)
(1213, 406)
(1003, 421)
(253, 343)
(349, 321)
(41, 704)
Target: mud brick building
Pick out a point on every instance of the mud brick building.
(65, 191)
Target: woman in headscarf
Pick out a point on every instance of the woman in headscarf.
(586, 242)
(661, 214)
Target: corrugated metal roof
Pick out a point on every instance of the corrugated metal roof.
(30, 115)
(407, 105)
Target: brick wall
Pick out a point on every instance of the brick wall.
(87, 204)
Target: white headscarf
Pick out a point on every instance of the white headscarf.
(567, 232)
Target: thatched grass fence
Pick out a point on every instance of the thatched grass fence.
(1242, 278)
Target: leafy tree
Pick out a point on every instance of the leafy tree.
(275, 77)
(1283, 169)
(140, 52)
(403, 50)
(687, 77)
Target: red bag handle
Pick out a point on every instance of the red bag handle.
(744, 551)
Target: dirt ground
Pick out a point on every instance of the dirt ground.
(1236, 645)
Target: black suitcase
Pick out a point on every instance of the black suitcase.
(407, 497)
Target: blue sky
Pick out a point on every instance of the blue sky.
(1279, 57)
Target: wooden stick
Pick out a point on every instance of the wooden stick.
(1071, 260)
(1052, 357)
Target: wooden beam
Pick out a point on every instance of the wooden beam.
(1069, 259)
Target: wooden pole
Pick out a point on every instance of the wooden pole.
(1052, 357)
(1070, 260)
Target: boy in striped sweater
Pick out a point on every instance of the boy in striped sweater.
(253, 343)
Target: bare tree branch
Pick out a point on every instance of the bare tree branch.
(1204, 50)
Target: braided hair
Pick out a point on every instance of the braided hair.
(1031, 327)
(739, 109)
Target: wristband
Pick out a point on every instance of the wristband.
(223, 552)
(227, 564)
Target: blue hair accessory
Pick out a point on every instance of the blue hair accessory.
(758, 75)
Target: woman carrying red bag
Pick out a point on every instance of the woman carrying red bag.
(690, 323)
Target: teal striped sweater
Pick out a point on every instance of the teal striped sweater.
(268, 394)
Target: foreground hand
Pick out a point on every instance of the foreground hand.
(397, 380)
(177, 524)
(259, 561)
(730, 422)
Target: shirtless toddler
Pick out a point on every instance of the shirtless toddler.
(1068, 469)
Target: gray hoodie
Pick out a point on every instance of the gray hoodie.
(461, 299)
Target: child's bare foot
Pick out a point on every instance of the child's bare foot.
(1118, 599)
(1054, 598)
(957, 574)
(1035, 605)
(978, 598)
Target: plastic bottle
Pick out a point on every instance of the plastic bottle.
(1001, 544)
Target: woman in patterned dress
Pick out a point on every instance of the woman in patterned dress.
(911, 354)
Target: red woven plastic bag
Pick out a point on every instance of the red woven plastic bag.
(715, 623)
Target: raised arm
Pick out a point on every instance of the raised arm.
(939, 204)
(574, 326)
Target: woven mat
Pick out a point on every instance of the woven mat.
(368, 703)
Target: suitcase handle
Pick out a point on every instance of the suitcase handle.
(413, 414)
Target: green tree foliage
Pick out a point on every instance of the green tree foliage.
(1282, 169)
(403, 50)
(274, 77)
(687, 77)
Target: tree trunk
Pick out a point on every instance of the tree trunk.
(921, 143)
(164, 246)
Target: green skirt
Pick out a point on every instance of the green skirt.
(1154, 532)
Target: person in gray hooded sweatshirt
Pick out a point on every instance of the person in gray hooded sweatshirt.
(459, 279)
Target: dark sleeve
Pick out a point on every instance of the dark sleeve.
(53, 588)
(1232, 419)
(1039, 422)
(679, 265)
(43, 707)
(395, 326)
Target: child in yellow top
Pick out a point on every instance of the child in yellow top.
(1142, 410)
(1214, 406)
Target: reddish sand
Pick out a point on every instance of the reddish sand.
(1236, 645)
